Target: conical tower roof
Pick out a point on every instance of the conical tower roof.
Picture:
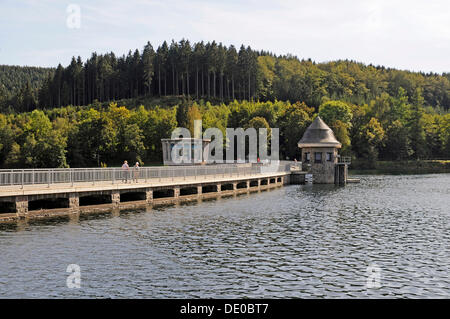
(318, 134)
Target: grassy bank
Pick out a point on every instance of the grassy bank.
(400, 167)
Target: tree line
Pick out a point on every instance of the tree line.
(19, 86)
(104, 134)
(217, 73)
(200, 70)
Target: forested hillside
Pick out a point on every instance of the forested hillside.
(19, 86)
(217, 73)
(133, 101)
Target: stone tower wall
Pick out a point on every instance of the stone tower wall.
(323, 172)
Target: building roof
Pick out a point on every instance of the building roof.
(318, 134)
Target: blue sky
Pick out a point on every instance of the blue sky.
(413, 35)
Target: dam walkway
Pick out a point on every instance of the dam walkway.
(39, 192)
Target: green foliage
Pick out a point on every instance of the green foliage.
(44, 146)
(416, 125)
(193, 114)
(159, 124)
(293, 121)
(19, 86)
(333, 111)
(6, 138)
(338, 115)
(386, 128)
(373, 135)
(397, 145)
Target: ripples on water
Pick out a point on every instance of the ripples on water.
(297, 241)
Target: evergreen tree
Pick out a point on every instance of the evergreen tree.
(148, 56)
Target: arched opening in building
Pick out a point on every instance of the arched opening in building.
(48, 203)
(209, 189)
(227, 187)
(98, 199)
(241, 185)
(163, 193)
(132, 196)
(188, 191)
(7, 207)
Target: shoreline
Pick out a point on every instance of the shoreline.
(400, 167)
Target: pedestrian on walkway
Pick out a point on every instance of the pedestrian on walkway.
(136, 172)
(125, 170)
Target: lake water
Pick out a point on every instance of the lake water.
(295, 241)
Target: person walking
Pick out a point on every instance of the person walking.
(136, 172)
(125, 169)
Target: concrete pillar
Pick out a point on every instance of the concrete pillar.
(149, 195)
(235, 186)
(219, 188)
(115, 198)
(248, 184)
(164, 149)
(199, 190)
(21, 205)
(176, 192)
(340, 174)
(74, 201)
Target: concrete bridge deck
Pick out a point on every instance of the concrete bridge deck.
(59, 188)
(151, 191)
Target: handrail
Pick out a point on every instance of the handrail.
(50, 176)
(345, 160)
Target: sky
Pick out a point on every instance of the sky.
(409, 35)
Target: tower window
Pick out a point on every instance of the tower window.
(307, 157)
(317, 157)
(329, 157)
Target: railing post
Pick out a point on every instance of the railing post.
(48, 178)
(23, 172)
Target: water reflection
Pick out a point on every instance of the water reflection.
(297, 241)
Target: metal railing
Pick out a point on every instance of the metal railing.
(52, 176)
(345, 160)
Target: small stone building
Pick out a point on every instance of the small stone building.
(191, 147)
(320, 152)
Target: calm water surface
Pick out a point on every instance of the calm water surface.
(297, 241)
